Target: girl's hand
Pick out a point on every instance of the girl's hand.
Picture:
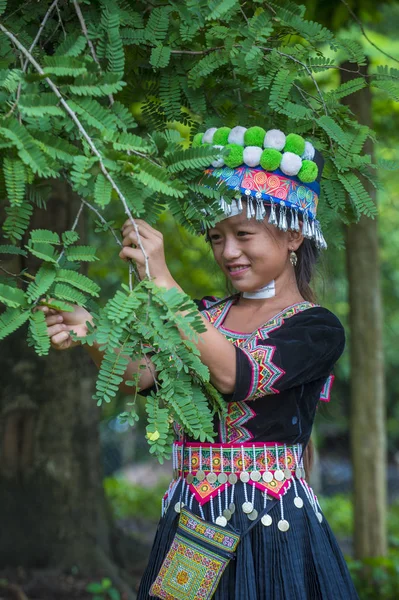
(152, 242)
(60, 324)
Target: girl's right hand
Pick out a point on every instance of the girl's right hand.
(60, 324)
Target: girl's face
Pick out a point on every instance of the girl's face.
(251, 253)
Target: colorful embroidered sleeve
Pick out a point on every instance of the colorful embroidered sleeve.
(303, 349)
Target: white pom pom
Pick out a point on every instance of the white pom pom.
(252, 155)
(207, 138)
(274, 139)
(236, 135)
(218, 162)
(309, 152)
(290, 164)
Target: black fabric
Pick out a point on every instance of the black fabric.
(306, 347)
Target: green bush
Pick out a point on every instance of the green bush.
(131, 500)
(376, 578)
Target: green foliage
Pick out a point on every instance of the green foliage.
(181, 68)
(128, 500)
(103, 590)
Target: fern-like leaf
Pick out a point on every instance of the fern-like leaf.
(81, 253)
(79, 281)
(38, 333)
(12, 296)
(11, 320)
(44, 278)
(14, 176)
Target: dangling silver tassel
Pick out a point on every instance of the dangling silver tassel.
(272, 218)
(239, 204)
(283, 225)
(306, 228)
(292, 214)
(249, 208)
(258, 215)
(296, 220)
(322, 241)
(312, 228)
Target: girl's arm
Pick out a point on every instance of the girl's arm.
(217, 353)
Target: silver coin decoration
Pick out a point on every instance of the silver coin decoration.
(232, 508)
(222, 478)
(233, 478)
(298, 502)
(283, 525)
(253, 515)
(222, 521)
(244, 476)
(179, 506)
(247, 507)
(267, 476)
(200, 475)
(211, 477)
(266, 520)
(298, 473)
(278, 475)
(287, 474)
(255, 475)
(227, 514)
(319, 516)
(189, 478)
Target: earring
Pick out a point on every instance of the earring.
(293, 258)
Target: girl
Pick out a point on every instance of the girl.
(270, 351)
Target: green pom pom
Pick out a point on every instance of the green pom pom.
(220, 137)
(197, 140)
(254, 136)
(270, 159)
(294, 143)
(235, 157)
(308, 172)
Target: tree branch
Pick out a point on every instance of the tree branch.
(358, 21)
(33, 44)
(88, 40)
(85, 135)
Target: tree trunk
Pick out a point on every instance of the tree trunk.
(368, 435)
(53, 511)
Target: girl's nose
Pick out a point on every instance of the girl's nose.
(231, 249)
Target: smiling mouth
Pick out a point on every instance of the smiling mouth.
(238, 269)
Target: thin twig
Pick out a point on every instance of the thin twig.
(74, 225)
(88, 40)
(358, 21)
(17, 275)
(33, 44)
(131, 265)
(99, 215)
(85, 135)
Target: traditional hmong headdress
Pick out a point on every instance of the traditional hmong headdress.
(268, 167)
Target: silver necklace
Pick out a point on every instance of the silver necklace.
(268, 291)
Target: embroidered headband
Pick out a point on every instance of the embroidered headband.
(268, 167)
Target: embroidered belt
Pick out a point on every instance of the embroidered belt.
(208, 469)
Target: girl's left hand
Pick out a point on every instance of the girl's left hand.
(152, 242)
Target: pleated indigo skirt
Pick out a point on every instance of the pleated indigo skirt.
(303, 563)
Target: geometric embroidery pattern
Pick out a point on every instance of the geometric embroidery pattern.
(231, 430)
(189, 571)
(193, 567)
(251, 457)
(325, 394)
(265, 373)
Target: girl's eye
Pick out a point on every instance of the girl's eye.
(214, 238)
(242, 233)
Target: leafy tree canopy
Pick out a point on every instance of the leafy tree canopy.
(91, 93)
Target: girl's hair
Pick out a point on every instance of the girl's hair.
(307, 254)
